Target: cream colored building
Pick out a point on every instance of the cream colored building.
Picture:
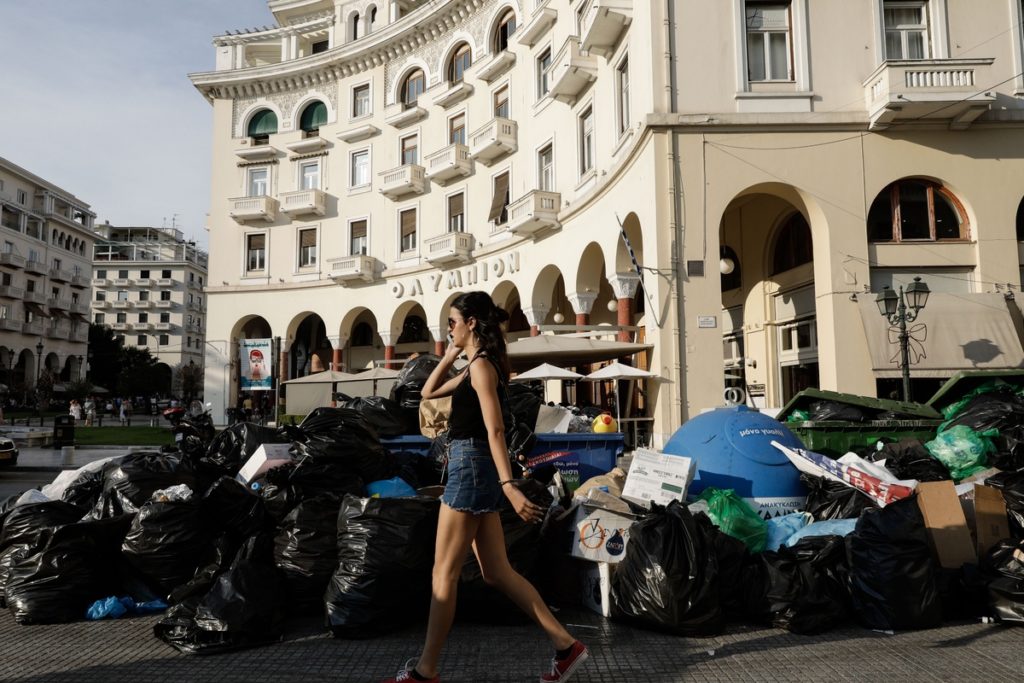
(46, 238)
(148, 287)
(372, 160)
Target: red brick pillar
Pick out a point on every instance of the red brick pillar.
(389, 348)
(336, 359)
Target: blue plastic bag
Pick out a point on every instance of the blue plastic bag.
(828, 527)
(396, 487)
(115, 608)
(781, 528)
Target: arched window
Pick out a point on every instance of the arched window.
(373, 17)
(461, 59)
(506, 27)
(414, 329)
(262, 125)
(730, 280)
(916, 210)
(1020, 221)
(412, 87)
(313, 116)
(353, 30)
(362, 335)
(793, 246)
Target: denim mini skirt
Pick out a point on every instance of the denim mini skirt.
(472, 484)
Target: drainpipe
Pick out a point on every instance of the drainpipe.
(676, 227)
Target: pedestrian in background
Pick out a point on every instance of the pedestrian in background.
(90, 411)
(75, 410)
(123, 413)
(478, 474)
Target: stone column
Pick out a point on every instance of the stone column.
(535, 316)
(624, 285)
(337, 346)
(282, 363)
(582, 304)
(438, 333)
(389, 348)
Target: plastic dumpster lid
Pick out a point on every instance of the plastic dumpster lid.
(965, 381)
(905, 409)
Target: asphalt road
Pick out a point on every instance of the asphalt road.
(13, 481)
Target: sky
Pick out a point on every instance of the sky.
(97, 101)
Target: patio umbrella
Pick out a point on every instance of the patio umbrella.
(618, 371)
(568, 350)
(375, 375)
(546, 371)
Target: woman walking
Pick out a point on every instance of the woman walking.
(478, 474)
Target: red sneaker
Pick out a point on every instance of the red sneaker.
(563, 669)
(406, 674)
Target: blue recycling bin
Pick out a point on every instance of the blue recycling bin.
(732, 449)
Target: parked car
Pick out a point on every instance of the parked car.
(8, 452)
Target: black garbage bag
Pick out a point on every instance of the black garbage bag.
(479, 601)
(831, 410)
(409, 384)
(87, 488)
(1012, 486)
(305, 550)
(314, 473)
(827, 499)
(1002, 410)
(385, 559)
(24, 529)
(69, 572)
(234, 445)
(386, 416)
(215, 560)
(166, 541)
(1003, 566)
(128, 484)
(742, 579)
(668, 578)
(892, 574)
(416, 470)
(806, 585)
(524, 404)
(963, 592)
(345, 434)
(229, 506)
(243, 608)
(909, 459)
(279, 498)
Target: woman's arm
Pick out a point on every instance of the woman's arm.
(430, 387)
(485, 383)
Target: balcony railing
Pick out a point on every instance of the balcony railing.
(36, 267)
(303, 203)
(165, 282)
(120, 327)
(59, 304)
(11, 292)
(101, 304)
(36, 297)
(122, 304)
(455, 247)
(34, 328)
(602, 23)
(10, 325)
(100, 282)
(60, 275)
(244, 209)
(163, 327)
(122, 282)
(144, 282)
(12, 260)
(144, 303)
(163, 304)
(534, 212)
(571, 71)
(58, 329)
(353, 268)
(79, 307)
(80, 334)
(930, 90)
(449, 163)
(79, 281)
(498, 137)
(398, 182)
(146, 326)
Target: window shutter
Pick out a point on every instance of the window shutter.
(498, 200)
(455, 204)
(358, 229)
(263, 123)
(307, 238)
(408, 222)
(313, 116)
(257, 241)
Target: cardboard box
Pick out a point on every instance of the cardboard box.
(600, 535)
(962, 529)
(266, 457)
(656, 477)
(990, 521)
(596, 582)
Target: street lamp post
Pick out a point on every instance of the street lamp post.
(39, 372)
(900, 309)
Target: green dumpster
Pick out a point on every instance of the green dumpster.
(902, 420)
(964, 382)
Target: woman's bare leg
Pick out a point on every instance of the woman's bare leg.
(489, 546)
(455, 532)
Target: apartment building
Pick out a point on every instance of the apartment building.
(46, 238)
(148, 287)
(771, 166)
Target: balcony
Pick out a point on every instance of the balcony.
(496, 66)
(195, 284)
(142, 327)
(36, 267)
(398, 115)
(255, 152)
(10, 325)
(35, 298)
(100, 282)
(453, 248)
(449, 163)
(79, 307)
(144, 282)
(602, 24)
(59, 304)
(398, 182)
(121, 304)
(453, 94)
(353, 268)
(80, 334)
(165, 282)
(12, 260)
(358, 133)
(303, 203)
(253, 208)
(122, 282)
(34, 328)
(163, 327)
(163, 304)
(60, 275)
(120, 327)
(571, 71)
(537, 25)
(59, 329)
(195, 305)
(497, 138)
(930, 90)
(79, 281)
(100, 304)
(144, 303)
(11, 292)
(536, 211)
(314, 143)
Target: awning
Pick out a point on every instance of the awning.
(325, 377)
(564, 350)
(79, 317)
(953, 332)
(37, 309)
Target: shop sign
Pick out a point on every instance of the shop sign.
(460, 278)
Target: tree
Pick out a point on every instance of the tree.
(188, 381)
(44, 389)
(78, 389)
(138, 373)
(104, 356)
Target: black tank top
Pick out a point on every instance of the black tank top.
(467, 419)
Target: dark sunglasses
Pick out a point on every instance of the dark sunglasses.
(453, 321)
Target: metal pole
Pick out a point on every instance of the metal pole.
(277, 380)
(904, 345)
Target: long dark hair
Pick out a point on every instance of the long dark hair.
(480, 306)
